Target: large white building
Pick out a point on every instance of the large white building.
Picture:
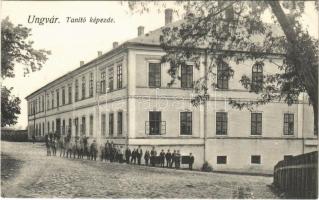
(122, 96)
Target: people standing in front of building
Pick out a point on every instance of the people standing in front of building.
(47, 144)
(153, 156)
(173, 159)
(139, 154)
(191, 161)
(53, 146)
(102, 152)
(81, 148)
(75, 148)
(61, 147)
(93, 150)
(33, 138)
(162, 158)
(177, 160)
(133, 159)
(128, 154)
(147, 157)
(168, 157)
(112, 152)
(68, 147)
(107, 151)
(121, 153)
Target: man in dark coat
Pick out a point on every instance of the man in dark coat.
(146, 157)
(133, 159)
(153, 156)
(93, 150)
(191, 161)
(177, 160)
(128, 154)
(168, 157)
(139, 154)
(173, 162)
(162, 158)
(107, 150)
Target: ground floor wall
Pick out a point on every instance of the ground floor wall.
(239, 153)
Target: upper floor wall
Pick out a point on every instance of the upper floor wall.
(150, 74)
(82, 87)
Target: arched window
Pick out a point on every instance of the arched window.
(257, 77)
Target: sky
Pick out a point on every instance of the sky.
(71, 43)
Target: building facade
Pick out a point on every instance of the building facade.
(123, 96)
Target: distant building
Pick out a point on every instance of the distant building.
(122, 96)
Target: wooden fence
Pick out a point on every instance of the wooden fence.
(297, 176)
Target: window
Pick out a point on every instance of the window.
(57, 98)
(42, 102)
(257, 77)
(221, 123)
(40, 128)
(221, 159)
(48, 101)
(76, 123)
(111, 79)
(52, 127)
(63, 127)
(186, 123)
(70, 93)
(43, 128)
(83, 127)
(70, 126)
(91, 125)
(76, 90)
(91, 85)
(48, 127)
(119, 123)
(256, 123)
(83, 87)
(103, 124)
(103, 89)
(63, 95)
(36, 106)
(155, 123)
(154, 75)
(52, 99)
(222, 75)
(255, 159)
(187, 76)
(288, 124)
(111, 122)
(39, 109)
(119, 76)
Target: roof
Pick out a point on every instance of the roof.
(150, 38)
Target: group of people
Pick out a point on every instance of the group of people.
(80, 147)
(171, 159)
(71, 148)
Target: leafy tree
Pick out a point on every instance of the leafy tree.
(15, 48)
(227, 30)
(9, 107)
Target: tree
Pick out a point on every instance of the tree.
(15, 48)
(9, 107)
(220, 27)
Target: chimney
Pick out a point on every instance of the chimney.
(115, 44)
(99, 53)
(168, 16)
(140, 30)
(81, 63)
